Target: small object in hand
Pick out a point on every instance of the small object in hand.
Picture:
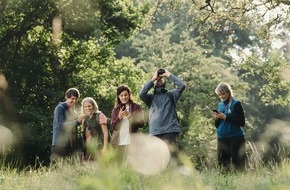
(123, 107)
(215, 110)
(160, 72)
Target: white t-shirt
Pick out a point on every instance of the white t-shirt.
(124, 136)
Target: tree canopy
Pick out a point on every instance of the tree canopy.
(48, 46)
(206, 43)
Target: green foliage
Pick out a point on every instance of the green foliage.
(102, 85)
(121, 17)
(80, 18)
(199, 46)
(41, 61)
(273, 89)
(199, 140)
(189, 61)
(268, 90)
(185, 37)
(168, 46)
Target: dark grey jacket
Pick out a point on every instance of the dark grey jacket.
(162, 113)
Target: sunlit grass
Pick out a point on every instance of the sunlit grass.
(110, 174)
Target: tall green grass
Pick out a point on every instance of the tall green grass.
(110, 174)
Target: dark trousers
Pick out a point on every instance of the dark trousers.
(231, 150)
(63, 151)
(92, 150)
(171, 140)
(60, 152)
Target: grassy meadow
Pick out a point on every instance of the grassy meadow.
(149, 167)
(110, 174)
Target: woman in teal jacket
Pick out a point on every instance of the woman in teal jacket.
(229, 120)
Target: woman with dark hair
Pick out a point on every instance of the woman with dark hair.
(229, 118)
(127, 117)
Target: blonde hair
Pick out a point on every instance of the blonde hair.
(225, 88)
(91, 101)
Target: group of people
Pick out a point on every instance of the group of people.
(127, 117)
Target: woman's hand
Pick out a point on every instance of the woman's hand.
(218, 115)
(129, 116)
(124, 113)
(121, 114)
(80, 118)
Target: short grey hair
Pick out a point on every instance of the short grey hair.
(224, 88)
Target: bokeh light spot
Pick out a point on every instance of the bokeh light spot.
(148, 154)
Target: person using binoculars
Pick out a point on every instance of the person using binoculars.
(163, 119)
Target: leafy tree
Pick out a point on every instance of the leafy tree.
(264, 79)
(48, 46)
(198, 42)
(201, 74)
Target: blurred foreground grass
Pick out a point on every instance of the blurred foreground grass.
(108, 175)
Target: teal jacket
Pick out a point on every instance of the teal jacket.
(235, 119)
(162, 113)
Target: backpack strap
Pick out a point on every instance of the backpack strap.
(110, 130)
(97, 118)
(170, 95)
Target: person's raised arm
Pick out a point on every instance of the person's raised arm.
(180, 85)
(143, 94)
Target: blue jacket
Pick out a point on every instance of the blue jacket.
(231, 127)
(162, 111)
(61, 132)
